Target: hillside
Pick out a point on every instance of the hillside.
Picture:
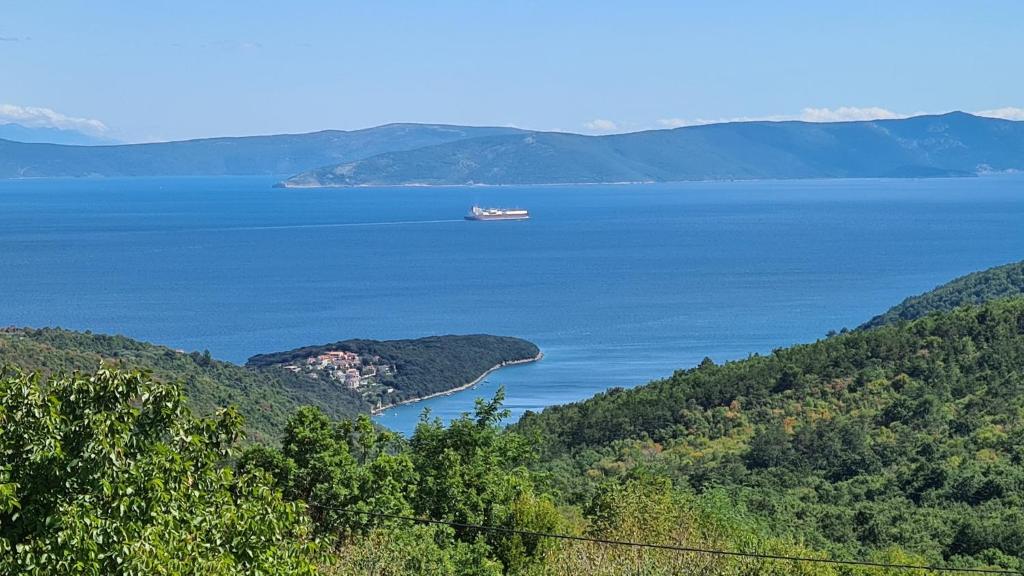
(251, 155)
(265, 392)
(403, 370)
(264, 397)
(975, 288)
(900, 445)
(954, 144)
(908, 435)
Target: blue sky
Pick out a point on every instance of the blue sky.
(166, 70)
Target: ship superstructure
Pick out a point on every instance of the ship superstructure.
(478, 213)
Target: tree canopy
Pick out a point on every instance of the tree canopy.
(906, 436)
(109, 473)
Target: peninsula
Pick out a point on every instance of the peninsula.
(386, 373)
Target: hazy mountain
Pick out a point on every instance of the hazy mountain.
(954, 144)
(278, 154)
(19, 133)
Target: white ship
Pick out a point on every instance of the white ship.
(478, 213)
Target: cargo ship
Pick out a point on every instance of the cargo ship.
(478, 213)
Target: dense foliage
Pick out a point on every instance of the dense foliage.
(908, 436)
(264, 397)
(110, 474)
(472, 472)
(468, 472)
(425, 365)
(1000, 282)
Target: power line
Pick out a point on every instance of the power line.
(707, 551)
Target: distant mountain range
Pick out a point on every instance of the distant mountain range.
(954, 144)
(249, 155)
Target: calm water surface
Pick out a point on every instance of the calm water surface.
(617, 284)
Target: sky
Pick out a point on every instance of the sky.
(156, 70)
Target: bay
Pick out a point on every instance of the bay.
(617, 284)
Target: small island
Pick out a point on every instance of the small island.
(388, 373)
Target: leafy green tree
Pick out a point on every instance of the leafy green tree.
(342, 469)
(109, 473)
(473, 472)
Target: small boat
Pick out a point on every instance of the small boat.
(478, 213)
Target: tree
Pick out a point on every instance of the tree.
(770, 447)
(474, 472)
(342, 469)
(110, 474)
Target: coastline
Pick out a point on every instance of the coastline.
(477, 380)
(284, 185)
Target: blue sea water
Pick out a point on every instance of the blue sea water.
(617, 284)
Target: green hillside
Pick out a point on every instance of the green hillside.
(109, 473)
(901, 444)
(975, 288)
(264, 397)
(263, 391)
(907, 436)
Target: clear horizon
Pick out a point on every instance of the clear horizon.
(138, 73)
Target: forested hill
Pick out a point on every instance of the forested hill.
(264, 397)
(900, 445)
(906, 435)
(954, 144)
(975, 288)
(409, 369)
(250, 155)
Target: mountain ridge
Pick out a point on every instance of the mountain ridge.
(947, 145)
(231, 155)
(955, 144)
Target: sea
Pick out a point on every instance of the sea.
(617, 284)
